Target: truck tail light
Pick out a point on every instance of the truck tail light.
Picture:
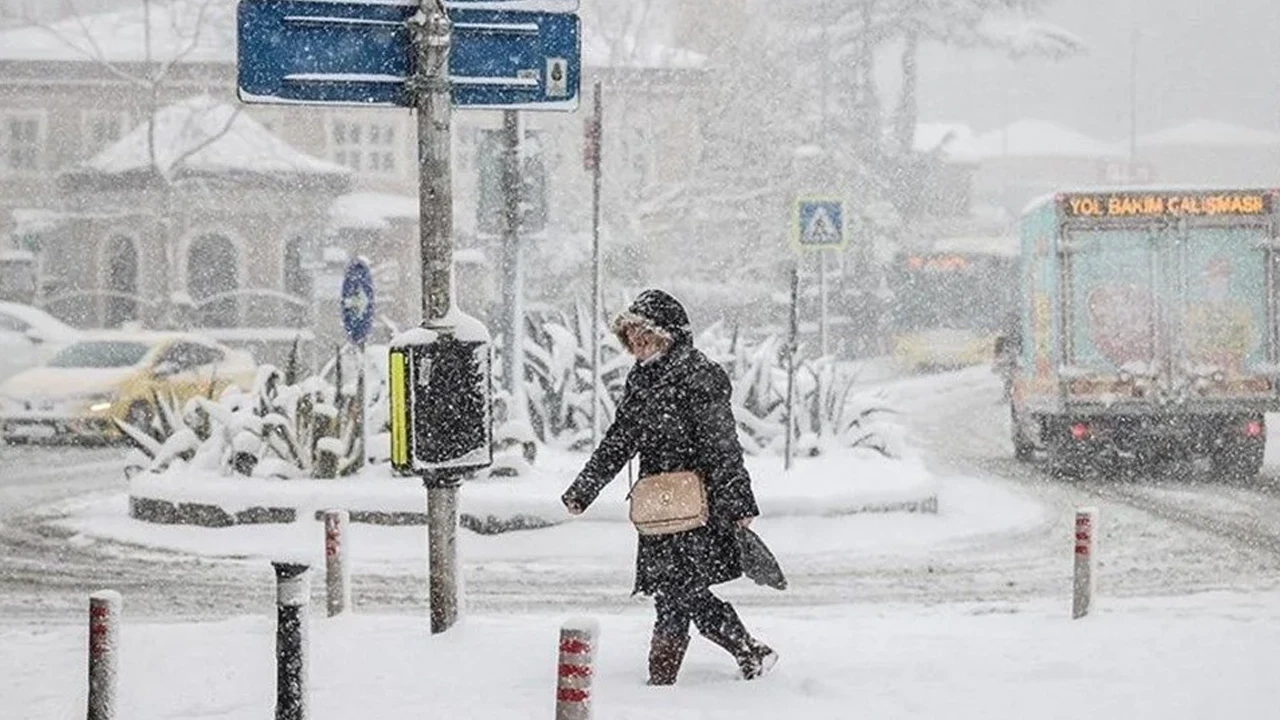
(1080, 431)
(1253, 429)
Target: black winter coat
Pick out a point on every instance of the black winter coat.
(676, 413)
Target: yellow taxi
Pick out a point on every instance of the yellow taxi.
(942, 349)
(107, 376)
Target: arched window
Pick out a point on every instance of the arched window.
(212, 279)
(122, 282)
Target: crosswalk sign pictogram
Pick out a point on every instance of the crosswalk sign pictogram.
(819, 224)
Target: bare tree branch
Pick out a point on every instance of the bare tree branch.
(213, 138)
(94, 53)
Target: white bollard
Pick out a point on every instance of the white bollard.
(104, 636)
(1082, 588)
(337, 570)
(577, 656)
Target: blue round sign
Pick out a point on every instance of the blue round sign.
(357, 300)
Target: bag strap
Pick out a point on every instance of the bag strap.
(631, 479)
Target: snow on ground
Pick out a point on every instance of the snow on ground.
(969, 508)
(1210, 655)
(840, 484)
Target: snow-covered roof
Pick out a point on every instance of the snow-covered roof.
(1205, 132)
(190, 30)
(371, 210)
(204, 31)
(207, 136)
(1023, 36)
(955, 140)
(1041, 138)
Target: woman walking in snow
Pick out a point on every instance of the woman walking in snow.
(675, 412)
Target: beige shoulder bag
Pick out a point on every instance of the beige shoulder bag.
(668, 503)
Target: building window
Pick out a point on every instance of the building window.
(365, 147)
(101, 129)
(21, 141)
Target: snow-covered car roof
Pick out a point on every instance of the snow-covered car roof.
(49, 325)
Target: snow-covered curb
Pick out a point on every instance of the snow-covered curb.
(1203, 656)
(855, 482)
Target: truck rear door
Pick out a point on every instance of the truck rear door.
(1220, 318)
(1112, 278)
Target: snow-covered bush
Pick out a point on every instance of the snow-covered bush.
(558, 375)
(277, 429)
(830, 413)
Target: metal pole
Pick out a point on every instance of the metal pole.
(337, 572)
(1082, 584)
(293, 592)
(432, 35)
(104, 639)
(1133, 98)
(597, 130)
(442, 555)
(792, 343)
(822, 293)
(362, 402)
(510, 184)
(432, 38)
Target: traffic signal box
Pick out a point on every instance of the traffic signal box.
(440, 401)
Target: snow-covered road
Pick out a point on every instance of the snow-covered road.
(1171, 536)
(1159, 534)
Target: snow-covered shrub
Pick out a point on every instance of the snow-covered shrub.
(558, 375)
(829, 411)
(277, 429)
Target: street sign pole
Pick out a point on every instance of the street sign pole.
(792, 348)
(362, 416)
(597, 159)
(509, 54)
(432, 37)
(510, 170)
(357, 319)
(823, 315)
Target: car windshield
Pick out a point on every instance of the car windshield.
(100, 354)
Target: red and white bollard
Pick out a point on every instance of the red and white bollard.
(104, 636)
(1082, 588)
(337, 570)
(577, 656)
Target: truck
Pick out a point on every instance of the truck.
(1145, 328)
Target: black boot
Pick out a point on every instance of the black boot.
(726, 630)
(666, 654)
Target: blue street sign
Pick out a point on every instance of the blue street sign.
(357, 300)
(819, 224)
(317, 52)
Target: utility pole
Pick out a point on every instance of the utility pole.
(432, 33)
(823, 331)
(1134, 36)
(512, 261)
(595, 142)
(792, 347)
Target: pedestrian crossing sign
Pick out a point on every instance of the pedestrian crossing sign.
(819, 224)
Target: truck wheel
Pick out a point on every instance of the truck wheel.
(1023, 451)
